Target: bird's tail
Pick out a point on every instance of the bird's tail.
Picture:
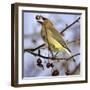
(69, 53)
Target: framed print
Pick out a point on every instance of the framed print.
(49, 44)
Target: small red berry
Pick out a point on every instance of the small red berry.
(55, 73)
(48, 65)
(52, 65)
(39, 61)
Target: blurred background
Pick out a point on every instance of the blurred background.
(32, 39)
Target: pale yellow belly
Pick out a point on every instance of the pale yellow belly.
(55, 45)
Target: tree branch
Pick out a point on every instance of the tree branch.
(70, 25)
(73, 56)
(33, 49)
(52, 58)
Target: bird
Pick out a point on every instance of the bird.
(51, 36)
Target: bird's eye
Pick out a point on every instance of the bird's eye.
(37, 17)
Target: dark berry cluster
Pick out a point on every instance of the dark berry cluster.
(39, 63)
(48, 65)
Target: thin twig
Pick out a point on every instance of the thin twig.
(73, 56)
(52, 58)
(34, 48)
(56, 54)
(70, 25)
(73, 41)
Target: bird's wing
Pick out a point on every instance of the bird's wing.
(56, 35)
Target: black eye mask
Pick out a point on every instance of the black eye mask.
(44, 18)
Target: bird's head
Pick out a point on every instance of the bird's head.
(43, 21)
(40, 19)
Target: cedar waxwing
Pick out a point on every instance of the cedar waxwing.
(51, 36)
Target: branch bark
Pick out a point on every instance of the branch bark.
(52, 58)
(34, 49)
(70, 25)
